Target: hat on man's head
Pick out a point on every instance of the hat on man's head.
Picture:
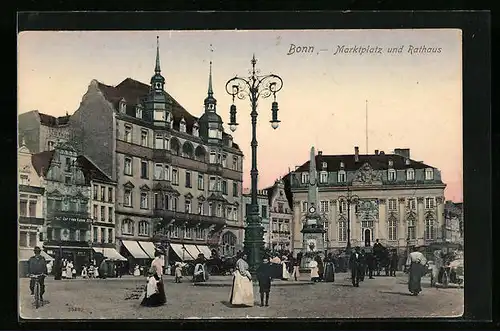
(37, 249)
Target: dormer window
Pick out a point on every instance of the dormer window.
(391, 163)
(342, 165)
(323, 178)
(182, 125)
(305, 177)
(158, 86)
(341, 176)
(211, 106)
(219, 134)
(407, 161)
(196, 130)
(391, 175)
(123, 106)
(410, 174)
(324, 165)
(138, 112)
(429, 174)
(212, 133)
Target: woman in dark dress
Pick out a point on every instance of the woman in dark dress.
(321, 268)
(329, 269)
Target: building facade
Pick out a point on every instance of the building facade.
(102, 210)
(280, 216)
(178, 176)
(41, 132)
(263, 202)
(389, 197)
(66, 207)
(30, 216)
(453, 227)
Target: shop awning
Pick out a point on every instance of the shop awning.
(205, 250)
(192, 250)
(148, 247)
(111, 253)
(26, 253)
(181, 252)
(134, 249)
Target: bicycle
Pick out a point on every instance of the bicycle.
(37, 289)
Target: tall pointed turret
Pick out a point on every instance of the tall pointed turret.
(210, 122)
(157, 66)
(157, 81)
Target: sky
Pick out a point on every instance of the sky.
(413, 96)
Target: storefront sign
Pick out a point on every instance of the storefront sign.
(69, 219)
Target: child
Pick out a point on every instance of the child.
(178, 272)
(264, 278)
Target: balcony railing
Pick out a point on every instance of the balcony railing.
(192, 218)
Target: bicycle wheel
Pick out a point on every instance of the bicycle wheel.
(37, 294)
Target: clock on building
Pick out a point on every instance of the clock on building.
(312, 209)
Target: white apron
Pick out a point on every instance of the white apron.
(286, 274)
(313, 265)
(242, 291)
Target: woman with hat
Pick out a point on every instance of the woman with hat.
(155, 290)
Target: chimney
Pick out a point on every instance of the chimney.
(320, 153)
(376, 152)
(356, 153)
(381, 153)
(404, 152)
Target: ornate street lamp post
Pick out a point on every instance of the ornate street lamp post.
(349, 199)
(254, 87)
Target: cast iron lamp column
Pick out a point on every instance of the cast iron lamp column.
(254, 87)
(349, 199)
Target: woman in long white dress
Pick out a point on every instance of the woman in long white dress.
(155, 290)
(313, 265)
(64, 264)
(69, 270)
(242, 289)
(284, 264)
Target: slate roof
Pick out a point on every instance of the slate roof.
(41, 162)
(52, 121)
(134, 92)
(91, 171)
(376, 161)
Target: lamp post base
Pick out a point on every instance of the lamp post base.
(254, 242)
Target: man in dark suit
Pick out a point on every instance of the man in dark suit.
(355, 265)
(370, 263)
(264, 277)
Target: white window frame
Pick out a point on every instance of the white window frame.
(128, 133)
(391, 175)
(393, 228)
(430, 228)
(410, 174)
(224, 160)
(145, 162)
(212, 183)
(304, 206)
(341, 176)
(159, 172)
(305, 177)
(138, 112)
(127, 197)
(166, 172)
(127, 227)
(392, 204)
(182, 126)
(323, 178)
(342, 230)
(196, 131)
(144, 137)
(323, 206)
(201, 182)
(411, 203)
(175, 176)
(429, 174)
(143, 228)
(200, 208)
(411, 228)
(127, 166)
(144, 200)
(188, 206)
(159, 141)
(430, 203)
(213, 157)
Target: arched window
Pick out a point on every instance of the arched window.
(187, 150)
(341, 177)
(143, 228)
(410, 174)
(229, 244)
(393, 228)
(174, 146)
(412, 230)
(128, 227)
(200, 154)
(342, 230)
(430, 230)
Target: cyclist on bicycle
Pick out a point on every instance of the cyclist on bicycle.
(37, 266)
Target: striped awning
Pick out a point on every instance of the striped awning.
(148, 247)
(110, 253)
(181, 252)
(135, 250)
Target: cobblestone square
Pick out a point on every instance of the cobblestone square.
(382, 297)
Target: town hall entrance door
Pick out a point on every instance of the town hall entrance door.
(367, 237)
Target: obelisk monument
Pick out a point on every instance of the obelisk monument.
(312, 230)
